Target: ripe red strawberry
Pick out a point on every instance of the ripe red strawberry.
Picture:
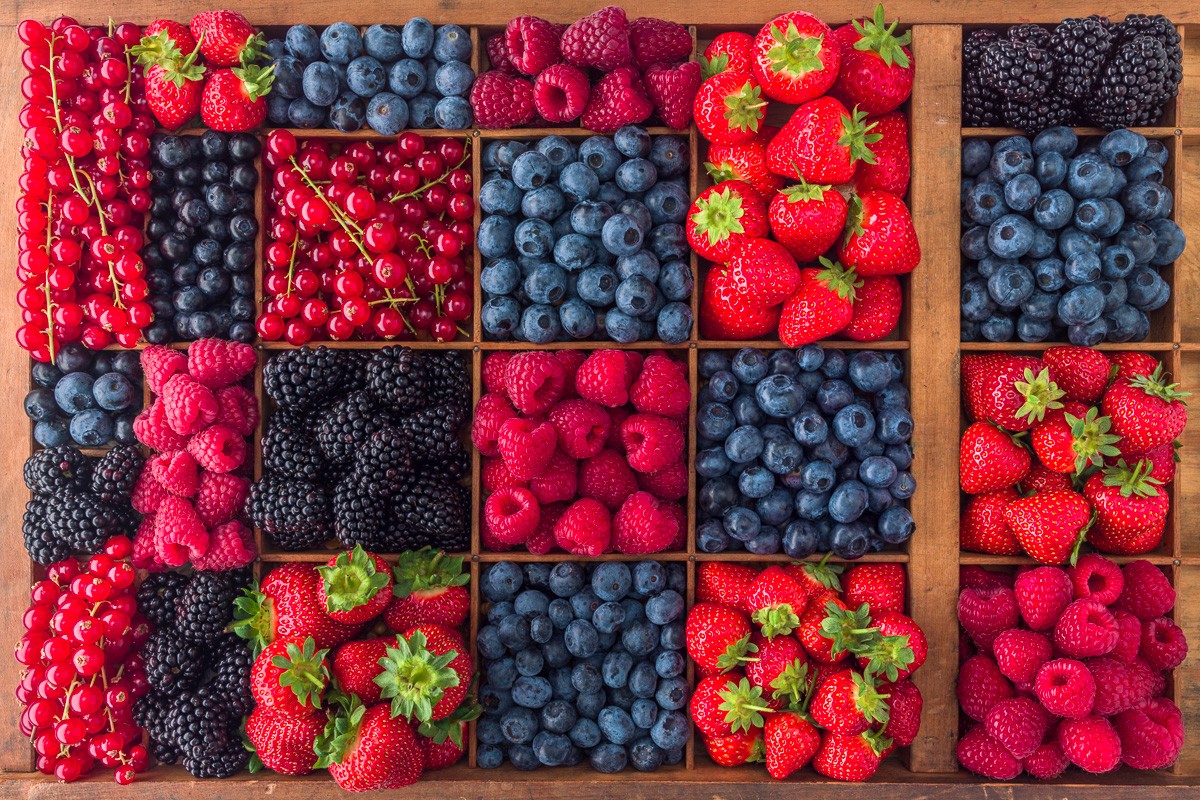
(826, 612)
(978, 752)
(285, 607)
(723, 215)
(226, 38)
(990, 459)
(877, 68)
(876, 311)
(367, 749)
(1013, 391)
(850, 758)
(1050, 525)
(174, 81)
(1041, 479)
(900, 650)
(718, 637)
(1081, 372)
(781, 671)
(807, 219)
(726, 312)
(500, 101)
(822, 306)
(175, 30)
(355, 666)
(728, 52)
(892, 168)
(430, 587)
(983, 529)
(599, 40)
(1071, 438)
(426, 673)
(980, 687)
(763, 272)
(880, 239)
(848, 703)
(1146, 411)
(776, 602)
(729, 108)
(822, 143)
(904, 712)
(671, 89)
(881, 586)
(795, 59)
(1162, 461)
(724, 583)
(1130, 364)
(617, 99)
(355, 586)
(745, 747)
(744, 162)
(725, 704)
(658, 41)
(236, 99)
(284, 744)
(817, 577)
(791, 742)
(1131, 512)
(289, 678)
(532, 43)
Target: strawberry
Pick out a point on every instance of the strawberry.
(1012, 391)
(236, 99)
(822, 306)
(990, 459)
(826, 627)
(794, 58)
(904, 712)
(726, 313)
(728, 52)
(807, 219)
(617, 99)
(430, 587)
(877, 67)
(290, 679)
(285, 607)
(724, 583)
(848, 703)
(900, 650)
(880, 238)
(850, 758)
(745, 747)
(1081, 372)
(776, 602)
(226, 38)
(1050, 525)
(284, 744)
(366, 749)
(726, 704)
(876, 309)
(718, 638)
(355, 667)
(763, 272)
(781, 671)
(724, 215)
(426, 673)
(444, 742)
(175, 30)
(791, 742)
(729, 108)
(744, 162)
(1040, 479)
(1073, 437)
(822, 143)
(892, 168)
(983, 529)
(174, 82)
(880, 586)
(355, 586)
(1162, 460)
(671, 89)
(1129, 364)
(1130, 510)
(1146, 411)
(817, 577)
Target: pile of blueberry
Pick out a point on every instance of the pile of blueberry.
(200, 238)
(587, 241)
(388, 78)
(85, 397)
(803, 451)
(583, 663)
(1065, 238)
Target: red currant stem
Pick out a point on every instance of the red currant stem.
(292, 265)
(128, 76)
(392, 301)
(46, 277)
(422, 244)
(341, 218)
(54, 88)
(461, 331)
(112, 273)
(432, 183)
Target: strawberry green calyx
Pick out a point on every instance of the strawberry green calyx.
(1080, 538)
(719, 215)
(744, 108)
(1156, 386)
(451, 727)
(878, 742)
(1135, 481)
(877, 35)
(256, 81)
(305, 671)
(868, 699)
(850, 631)
(160, 49)
(721, 172)
(856, 135)
(888, 656)
(825, 573)
(804, 191)
(713, 66)
(737, 653)
(743, 705)
(793, 686)
(424, 569)
(415, 679)
(777, 620)
(795, 53)
(1041, 394)
(254, 48)
(1091, 440)
(253, 618)
(341, 732)
(352, 580)
(839, 279)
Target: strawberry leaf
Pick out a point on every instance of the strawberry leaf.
(776, 620)
(304, 670)
(352, 581)
(425, 569)
(744, 108)
(713, 66)
(804, 191)
(1040, 393)
(719, 215)
(415, 679)
(794, 53)
(878, 36)
(856, 135)
(743, 705)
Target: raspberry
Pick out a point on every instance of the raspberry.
(560, 93)
(532, 44)
(676, 512)
(618, 99)
(144, 555)
(1096, 578)
(493, 475)
(584, 529)
(644, 525)
(151, 429)
(605, 377)
(672, 89)
(220, 497)
(230, 546)
(557, 481)
(1019, 724)
(1117, 686)
(651, 442)
(571, 360)
(1147, 593)
(179, 535)
(494, 367)
(1042, 594)
(1065, 687)
(1153, 682)
(218, 449)
(1163, 643)
(983, 755)
(1151, 735)
(582, 427)
(668, 483)
(492, 411)
(148, 493)
(217, 363)
(1020, 653)
(1091, 743)
(984, 613)
(526, 446)
(498, 56)
(535, 381)
(511, 515)
(501, 101)
(600, 40)
(607, 478)
(159, 364)
(971, 576)
(1086, 628)
(1129, 636)
(541, 541)
(980, 686)
(188, 405)
(657, 41)
(1047, 762)
(661, 388)
(177, 472)
(237, 409)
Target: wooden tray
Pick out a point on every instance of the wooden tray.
(928, 339)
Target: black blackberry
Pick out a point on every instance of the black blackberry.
(452, 468)
(1157, 27)
(449, 382)
(157, 595)
(1034, 116)
(356, 368)
(1017, 70)
(198, 724)
(116, 472)
(433, 433)
(289, 451)
(223, 763)
(431, 511)
(163, 753)
(173, 664)
(981, 105)
(383, 462)
(230, 661)
(205, 607)
(396, 379)
(150, 713)
(305, 376)
(1133, 85)
(358, 517)
(44, 546)
(83, 521)
(345, 424)
(1032, 34)
(1079, 47)
(295, 514)
(57, 468)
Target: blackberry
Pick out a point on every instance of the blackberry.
(1017, 70)
(448, 381)
(431, 511)
(1036, 115)
(173, 664)
(356, 369)
(453, 468)
(230, 660)
(157, 595)
(205, 607)
(295, 514)
(396, 379)
(433, 432)
(289, 451)
(1032, 34)
(163, 753)
(383, 462)
(198, 724)
(1157, 27)
(304, 377)
(346, 424)
(1133, 86)
(84, 522)
(1079, 47)
(115, 474)
(981, 105)
(44, 546)
(358, 517)
(223, 763)
(150, 713)
(57, 468)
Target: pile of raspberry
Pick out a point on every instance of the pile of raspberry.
(1068, 666)
(193, 488)
(583, 453)
(541, 72)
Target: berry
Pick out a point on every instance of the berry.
(644, 525)
(617, 99)
(502, 101)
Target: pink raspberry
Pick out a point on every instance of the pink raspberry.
(238, 409)
(177, 472)
(1047, 762)
(651, 442)
(672, 89)
(151, 429)
(1020, 653)
(1042, 594)
(220, 497)
(511, 515)
(541, 541)
(557, 481)
(502, 101)
(560, 93)
(1091, 742)
(1129, 638)
(494, 475)
(657, 41)
(1095, 577)
(980, 686)
(230, 546)
(498, 57)
(492, 411)
(148, 493)
(532, 44)
(159, 363)
(526, 446)
(571, 360)
(668, 483)
(1019, 724)
(1118, 687)
(983, 755)
(494, 367)
(607, 478)
(584, 529)
(675, 510)
(179, 535)
(618, 99)
(1152, 681)
(217, 363)
(1164, 644)
(661, 388)
(600, 40)
(972, 576)
(644, 525)
(144, 555)
(582, 427)
(1065, 687)
(1147, 593)
(605, 377)
(1086, 628)
(985, 613)
(535, 381)
(1151, 735)
(189, 406)
(218, 449)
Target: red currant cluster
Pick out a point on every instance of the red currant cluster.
(368, 242)
(84, 188)
(82, 671)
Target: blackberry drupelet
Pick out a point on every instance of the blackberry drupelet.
(230, 661)
(1032, 34)
(432, 511)
(358, 517)
(433, 432)
(1016, 70)
(205, 607)
(1133, 85)
(157, 595)
(295, 514)
(1080, 46)
(981, 105)
(304, 377)
(453, 468)
(173, 664)
(448, 380)
(84, 522)
(1036, 115)
(345, 424)
(115, 474)
(356, 369)
(1158, 27)
(150, 713)
(198, 724)
(290, 451)
(396, 379)
(384, 461)
(222, 763)
(56, 468)
(44, 546)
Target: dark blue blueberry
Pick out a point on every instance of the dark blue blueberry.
(540, 324)
(1144, 169)
(1169, 242)
(366, 76)
(1011, 236)
(904, 486)
(1049, 274)
(638, 211)
(303, 42)
(1089, 175)
(1146, 290)
(608, 617)
(715, 421)
(451, 43)
(615, 669)
(500, 276)
(585, 677)
(1051, 170)
(541, 628)
(799, 539)
(557, 656)
(712, 462)
(849, 541)
(610, 193)
(877, 471)
(387, 113)
(775, 508)
(341, 43)
(895, 525)
(1054, 210)
(649, 578)
(711, 537)
(668, 242)
(750, 366)
(674, 324)
(581, 640)
(514, 632)
(741, 523)
(500, 316)
(1044, 244)
(1082, 267)
(668, 202)
(716, 495)
(601, 155)
(621, 235)
(831, 450)
(643, 681)
(894, 425)
(1011, 285)
(546, 283)
(616, 725)
(489, 756)
(585, 733)
(1117, 261)
(671, 637)
(642, 264)
(1092, 215)
(818, 476)
(976, 156)
(523, 758)
(488, 642)
(1072, 241)
(1022, 192)
(551, 749)
(848, 501)
(40, 404)
(289, 72)
(530, 170)
(114, 392)
(608, 758)
(671, 730)
(407, 78)
(597, 286)
(984, 203)
(1116, 293)
(833, 396)
(644, 711)
(1088, 335)
(835, 363)
(73, 392)
(588, 704)
(453, 79)
(348, 112)
(637, 175)
(530, 603)
(636, 295)
(809, 426)
(611, 580)
(91, 428)
(1082, 305)
(640, 638)
(529, 661)
(577, 318)
(452, 113)
(782, 454)
(578, 182)
(744, 444)
(854, 424)
(871, 370)
(779, 396)
(1126, 324)
(1121, 147)
(974, 243)
(669, 155)
(519, 725)
(632, 141)
(766, 543)
(670, 664)
(1059, 139)
(1008, 162)
(502, 582)
(384, 42)
(664, 608)
(997, 328)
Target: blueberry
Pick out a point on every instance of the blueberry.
(1144, 169)
(744, 444)
(531, 692)
(534, 238)
(501, 317)
(114, 392)
(451, 43)
(387, 113)
(1010, 162)
(976, 156)
(621, 327)
(664, 608)
(74, 392)
(608, 617)
(91, 428)
(640, 638)
(870, 371)
(585, 734)
(407, 78)
(614, 670)
(997, 328)
(551, 749)
(1082, 267)
(675, 323)
(1170, 241)
(608, 758)
(611, 580)
(973, 243)
(610, 193)
(849, 541)
(546, 283)
(556, 654)
(621, 235)
(1089, 175)
(589, 216)
(1022, 192)
(894, 425)
(877, 472)
(800, 539)
(643, 681)
(1146, 290)
(601, 155)
(809, 426)
(643, 712)
(519, 725)
(540, 324)
(1011, 236)
(581, 640)
(637, 175)
(642, 264)
(904, 486)
(1125, 324)
(640, 213)
(577, 318)
(671, 730)
(502, 582)
(1051, 170)
(1011, 285)
(452, 113)
(52, 432)
(501, 276)
(616, 725)
(1059, 139)
(810, 357)
(1054, 209)
(668, 242)
(853, 425)
(741, 523)
(782, 455)
(303, 42)
(40, 404)
(1081, 305)
(341, 43)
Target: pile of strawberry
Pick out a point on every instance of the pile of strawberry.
(583, 453)
(844, 152)
(603, 70)
(1068, 666)
(801, 664)
(193, 489)
(376, 712)
(1102, 429)
(207, 67)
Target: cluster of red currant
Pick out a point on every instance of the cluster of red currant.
(82, 669)
(366, 241)
(85, 188)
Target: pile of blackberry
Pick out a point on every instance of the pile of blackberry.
(79, 501)
(200, 238)
(365, 448)
(1084, 71)
(199, 672)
